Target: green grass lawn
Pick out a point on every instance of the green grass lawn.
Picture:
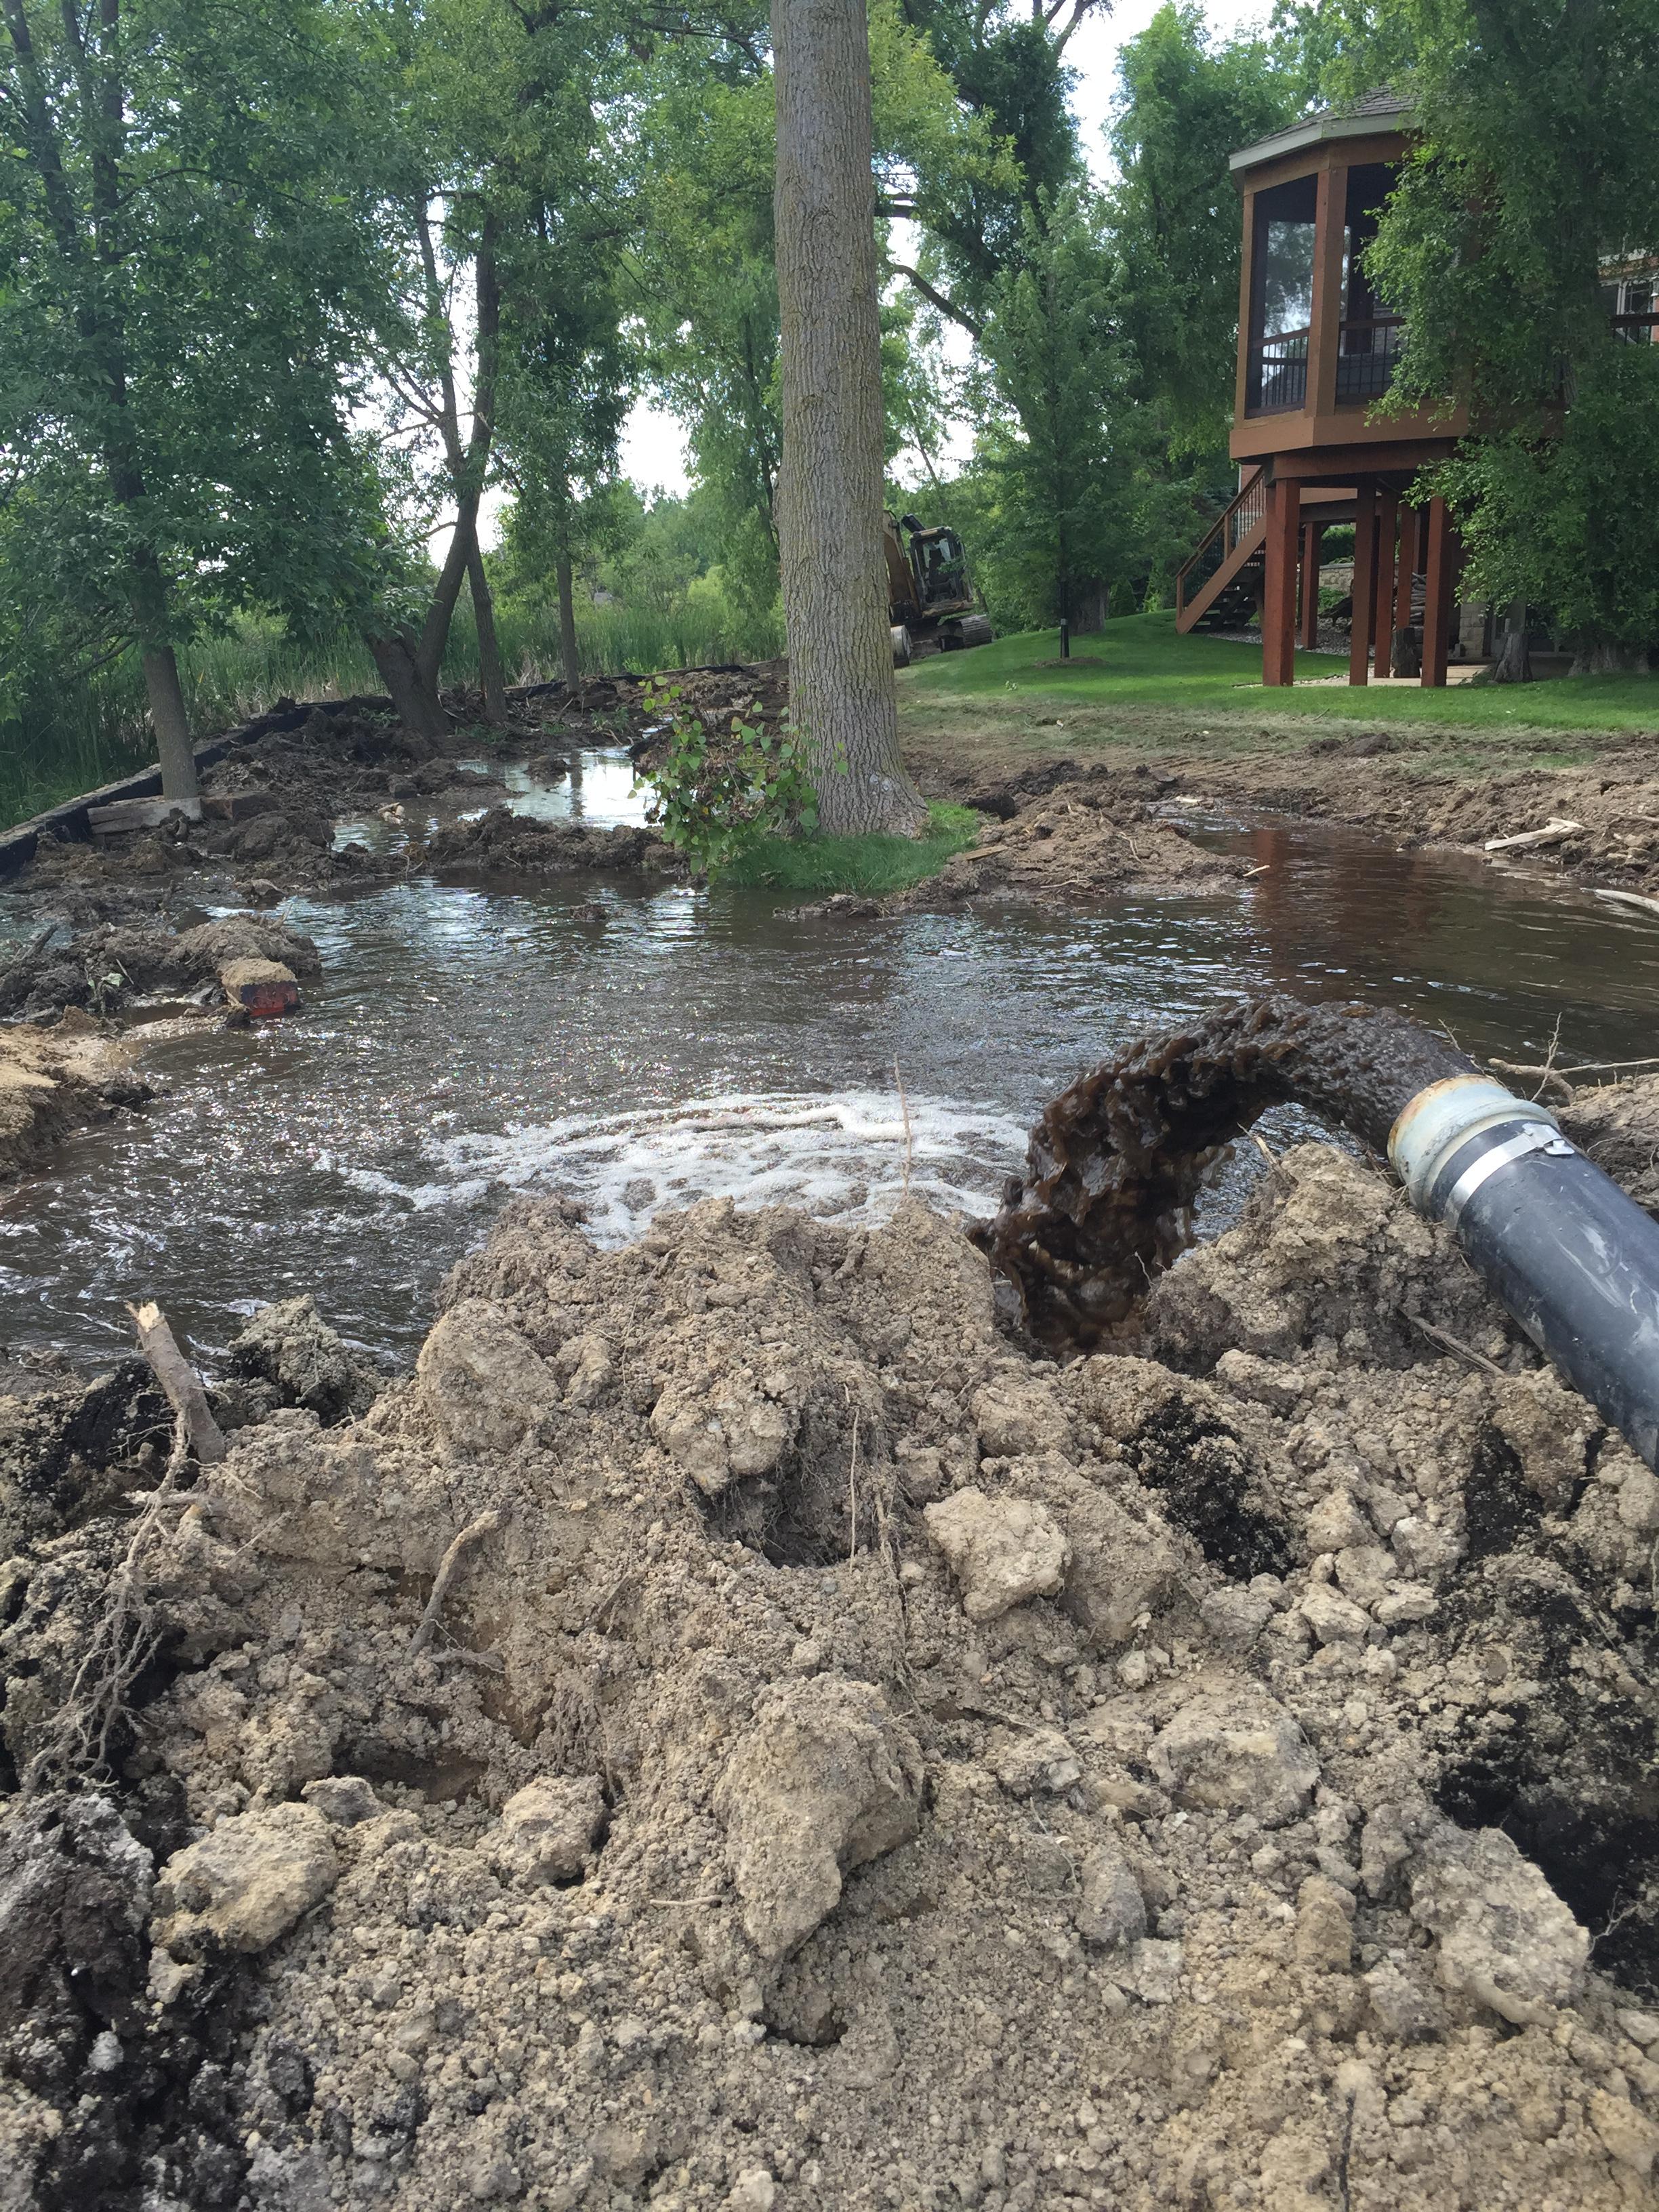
(1141, 662)
(872, 866)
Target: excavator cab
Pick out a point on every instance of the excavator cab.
(933, 606)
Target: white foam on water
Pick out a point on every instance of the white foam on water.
(844, 1156)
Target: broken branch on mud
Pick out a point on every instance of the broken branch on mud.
(180, 1382)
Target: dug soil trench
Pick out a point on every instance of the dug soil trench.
(737, 1728)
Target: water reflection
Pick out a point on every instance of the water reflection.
(1496, 956)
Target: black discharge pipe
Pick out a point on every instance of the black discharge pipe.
(1114, 1167)
(1570, 1255)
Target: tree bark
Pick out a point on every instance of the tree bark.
(179, 1380)
(568, 648)
(1600, 657)
(101, 90)
(434, 631)
(463, 467)
(1512, 664)
(830, 492)
(416, 702)
(494, 683)
(173, 750)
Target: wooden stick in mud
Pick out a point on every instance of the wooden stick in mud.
(179, 1380)
(35, 945)
(448, 1567)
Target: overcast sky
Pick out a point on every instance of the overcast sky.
(653, 444)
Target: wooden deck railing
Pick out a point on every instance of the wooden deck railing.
(1279, 373)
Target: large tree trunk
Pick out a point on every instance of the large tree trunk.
(490, 677)
(415, 699)
(569, 650)
(170, 723)
(1511, 663)
(829, 493)
(166, 695)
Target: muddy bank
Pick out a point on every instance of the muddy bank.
(75, 1008)
(503, 842)
(116, 966)
(282, 781)
(732, 1729)
(1388, 782)
(53, 1080)
(1614, 805)
(1081, 835)
(1055, 835)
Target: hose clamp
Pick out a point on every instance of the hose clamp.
(1437, 1121)
(1535, 1138)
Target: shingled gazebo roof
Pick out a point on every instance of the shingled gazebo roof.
(1379, 110)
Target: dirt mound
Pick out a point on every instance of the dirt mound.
(53, 1080)
(1060, 833)
(514, 844)
(849, 1762)
(110, 967)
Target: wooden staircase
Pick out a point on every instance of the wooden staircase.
(1217, 588)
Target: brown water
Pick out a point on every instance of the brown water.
(468, 1042)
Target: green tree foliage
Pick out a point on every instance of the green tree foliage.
(1535, 177)
(1064, 480)
(980, 190)
(1187, 103)
(1570, 523)
(705, 294)
(190, 253)
(512, 184)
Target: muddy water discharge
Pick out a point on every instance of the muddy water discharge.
(1118, 1160)
(467, 1041)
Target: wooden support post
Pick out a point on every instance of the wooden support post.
(1364, 581)
(1313, 537)
(1410, 539)
(1278, 598)
(1388, 526)
(1248, 335)
(1437, 593)
(1325, 333)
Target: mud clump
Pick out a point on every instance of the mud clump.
(1077, 836)
(1054, 839)
(513, 844)
(110, 967)
(1117, 1161)
(69, 1450)
(54, 1080)
(854, 1764)
(287, 1356)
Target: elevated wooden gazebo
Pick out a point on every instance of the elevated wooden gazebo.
(1317, 348)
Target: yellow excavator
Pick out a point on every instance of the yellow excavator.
(934, 608)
